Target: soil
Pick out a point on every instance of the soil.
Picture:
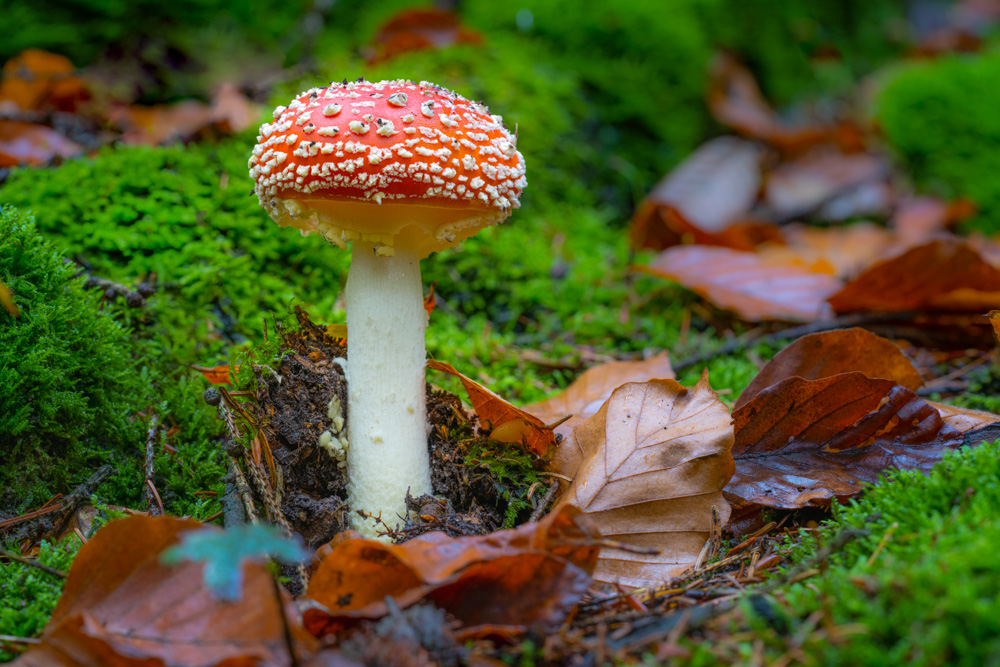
(291, 404)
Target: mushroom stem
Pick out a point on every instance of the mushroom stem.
(386, 415)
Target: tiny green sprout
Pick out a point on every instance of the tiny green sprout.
(223, 553)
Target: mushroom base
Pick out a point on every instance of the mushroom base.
(386, 417)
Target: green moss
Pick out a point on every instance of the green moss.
(940, 117)
(28, 595)
(513, 473)
(66, 386)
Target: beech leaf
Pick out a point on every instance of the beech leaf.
(805, 442)
(509, 423)
(648, 469)
(829, 353)
(530, 576)
(122, 606)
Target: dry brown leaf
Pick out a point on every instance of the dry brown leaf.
(121, 607)
(804, 442)
(7, 301)
(38, 80)
(829, 353)
(32, 144)
(232, 112)
(839, 251)
(584, 397)
(751, 286)
(648, 468)
(943, 275)
(702, 197)
(161, 124)
(507, 423)
(963, 419)
(917, 219)
(735, 100)
(215, 374)
(530, 576)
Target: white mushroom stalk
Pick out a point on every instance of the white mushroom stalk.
(401, 170)
(386, 418)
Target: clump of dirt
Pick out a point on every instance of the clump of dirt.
(292, 404)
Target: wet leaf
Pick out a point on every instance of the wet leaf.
(216, 374)
(943, 275)
(418, 29)
(751, 286)
(32, 144)
(701, 198)
(508, 423)
(648, 468)
(526, 577)
(805, 442)
(122, 606)
(584, 397)
(7, 301)
(829, 353)
(224, 553)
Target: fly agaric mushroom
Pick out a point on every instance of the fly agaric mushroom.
(401, 170)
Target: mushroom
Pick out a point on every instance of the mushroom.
(400, 170)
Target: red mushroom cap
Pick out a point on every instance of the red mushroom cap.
(389, 163)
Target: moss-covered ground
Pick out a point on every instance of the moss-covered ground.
(601, 115)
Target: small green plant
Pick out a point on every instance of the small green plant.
(513, 473)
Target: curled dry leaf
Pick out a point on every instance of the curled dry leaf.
(804, 442)
(508, 423)
(215, 374)
(702, 197)
(122, 607)
(530, 576)
(944, 274)
(829, 353)
(746, 283)
(648, 468)
(584, 397)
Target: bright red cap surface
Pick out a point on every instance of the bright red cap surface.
(390, 163)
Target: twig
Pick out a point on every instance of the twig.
(244, 490)
(153, 503)
(544, 502)
(32, 563)
(738, 344)
(80, 496)
(6, 523)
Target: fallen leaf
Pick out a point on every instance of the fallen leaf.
(647, 469)
(156, 125)
(528, 577)
(821, 355)
(418, 29)
(702, 197)
(843, 252)
(122, 607)
(37, 80)
(508, 423)
(994, 316)
(216, 374)
(917, 219)
(963, 419)
(7, 301)
(232, 112)
(584, 397)
(735, 100)
(801, 186)
(744, 282)
(32, 144)
(805, 442)
(943, 275)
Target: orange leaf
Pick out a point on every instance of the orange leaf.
(648, 468)
(29, 143)
(498, 414)
(584, 397)
(829, 353)
(429, 302)
(804, 442)
(215, 375)
(7, 301)
(36, 80)
(418, 29)
(747, 284)
(122, 607)
(160, 124)
(945, 274)
(530, 576)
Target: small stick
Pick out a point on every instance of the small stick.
(544, 503)
(32, 563)
(153, 502)
(30, 515)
